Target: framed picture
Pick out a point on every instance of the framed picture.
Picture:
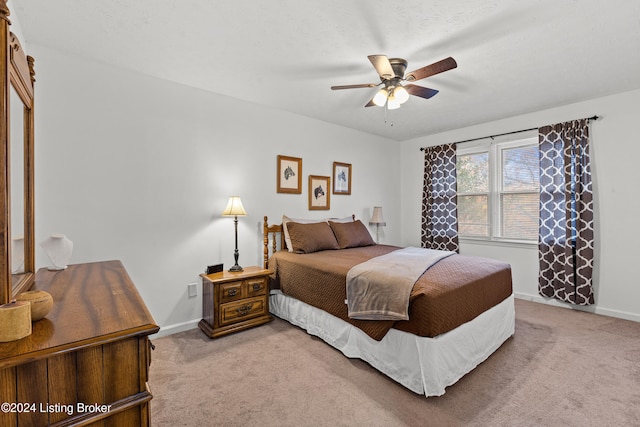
(319, 192)
(289, 175)
(341, 178)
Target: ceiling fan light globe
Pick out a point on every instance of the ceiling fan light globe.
(380, 98)
(392, 103)
(400, 94)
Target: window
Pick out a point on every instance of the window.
(498, 191)
(473, 194)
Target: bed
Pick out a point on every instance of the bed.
(460, 310)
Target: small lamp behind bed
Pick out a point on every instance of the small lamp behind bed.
(235, 209)
(377, 219)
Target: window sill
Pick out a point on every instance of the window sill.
(505, 243)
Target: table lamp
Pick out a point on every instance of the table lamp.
(234, 208)
(377, 219)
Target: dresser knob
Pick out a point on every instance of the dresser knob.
(232, 292)
(256, 287)
(243, 310)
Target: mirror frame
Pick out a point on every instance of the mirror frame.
(17, 72)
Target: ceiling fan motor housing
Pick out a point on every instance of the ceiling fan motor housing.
(399, 66)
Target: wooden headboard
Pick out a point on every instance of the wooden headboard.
(270, 233)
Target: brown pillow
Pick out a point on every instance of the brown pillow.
(351, 234)
(307, 238)
(286, 220)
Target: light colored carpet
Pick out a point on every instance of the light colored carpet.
(562, 368)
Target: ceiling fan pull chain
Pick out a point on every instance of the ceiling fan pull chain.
(386, 111)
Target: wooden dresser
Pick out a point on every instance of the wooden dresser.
(87, 361)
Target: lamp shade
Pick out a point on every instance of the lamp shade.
(234, 207)
(377, 218)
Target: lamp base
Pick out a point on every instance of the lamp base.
(236, 268)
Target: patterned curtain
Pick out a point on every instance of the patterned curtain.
(566, 232)
(440, 200)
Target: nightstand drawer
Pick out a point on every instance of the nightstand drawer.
(231, 291)
(256, 287)
(245, 309)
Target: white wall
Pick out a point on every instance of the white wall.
(135, 168)
(614, 155)
(139, 169)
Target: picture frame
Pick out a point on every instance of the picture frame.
(341, 178)
(319, 194)
(289, 175)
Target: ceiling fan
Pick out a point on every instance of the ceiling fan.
(392, 74)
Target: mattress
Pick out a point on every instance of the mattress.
(452, 292)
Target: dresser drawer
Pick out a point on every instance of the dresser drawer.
(245, 309)
(231, 291)
(256, 287)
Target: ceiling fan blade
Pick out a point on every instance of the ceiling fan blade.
(354, 86)
(431, 70)
(422, 92)
(382, 65)
(370, 103)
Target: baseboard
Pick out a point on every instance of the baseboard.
(589, 309)
(175, 328)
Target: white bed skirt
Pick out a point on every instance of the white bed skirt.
(423, 365)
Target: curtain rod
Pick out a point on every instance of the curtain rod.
(506, 133)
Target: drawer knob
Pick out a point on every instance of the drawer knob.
(232, 292)
(256, 287)
(243, 310)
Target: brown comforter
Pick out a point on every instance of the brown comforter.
(452, 292)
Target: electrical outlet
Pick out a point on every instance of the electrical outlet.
(192, 289)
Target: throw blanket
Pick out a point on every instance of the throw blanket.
(380, 288)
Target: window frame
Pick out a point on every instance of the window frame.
(494, 149)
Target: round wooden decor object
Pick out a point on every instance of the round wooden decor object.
(15, 319)
(41, 303)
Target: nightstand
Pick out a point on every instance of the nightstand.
(234, 301)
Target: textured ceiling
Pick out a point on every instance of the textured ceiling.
(513, 56)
